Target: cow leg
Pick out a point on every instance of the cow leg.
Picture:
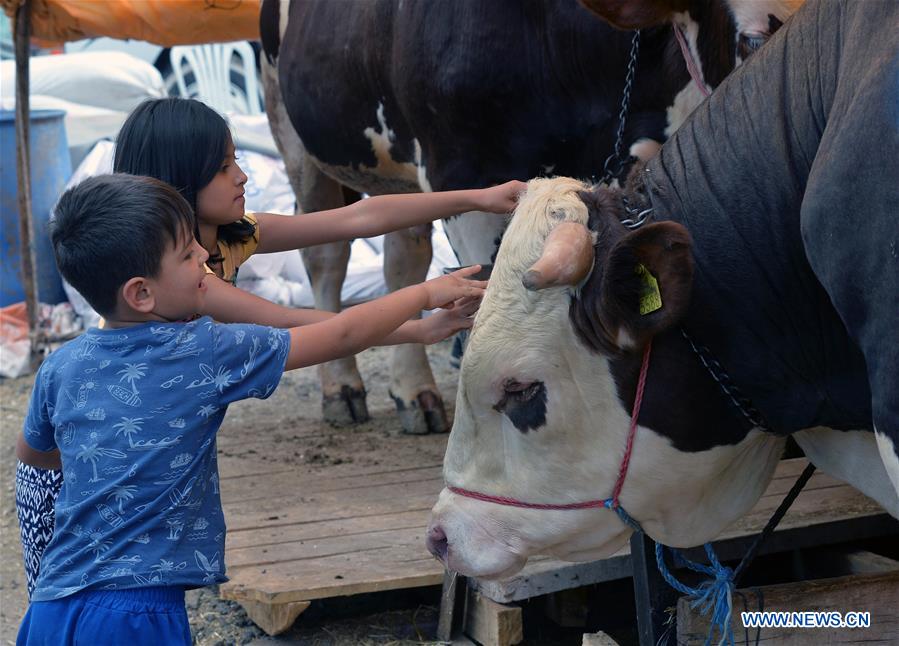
(407, 255)
(343, 393)
(474, 236)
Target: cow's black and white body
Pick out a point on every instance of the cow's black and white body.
(392, 96)
(775, 241)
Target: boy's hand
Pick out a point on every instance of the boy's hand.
(445, 290)
(502, 198)
(445, 323)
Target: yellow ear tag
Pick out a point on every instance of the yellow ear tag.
(651, 297)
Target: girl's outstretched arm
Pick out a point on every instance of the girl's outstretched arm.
(380, 214)
(229, 304)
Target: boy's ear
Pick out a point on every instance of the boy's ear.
(137, 294)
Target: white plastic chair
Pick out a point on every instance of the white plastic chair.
(211, 66)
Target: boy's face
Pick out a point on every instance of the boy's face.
(179, 288)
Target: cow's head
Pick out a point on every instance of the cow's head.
(546, 388)
(748, 23)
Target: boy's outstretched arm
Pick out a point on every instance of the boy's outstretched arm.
(380, 214)
(437, 326)
(365, 325)
(34, 458)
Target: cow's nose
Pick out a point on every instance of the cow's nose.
(436, 542)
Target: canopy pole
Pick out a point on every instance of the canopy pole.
(23, 175)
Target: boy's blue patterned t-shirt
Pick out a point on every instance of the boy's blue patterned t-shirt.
(134, 413)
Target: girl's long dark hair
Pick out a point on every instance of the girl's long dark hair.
(182, 142)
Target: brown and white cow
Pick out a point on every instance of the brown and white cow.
(392, 96)
(775, 255)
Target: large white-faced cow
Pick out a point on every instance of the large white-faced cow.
(774, 240)
(392, 96)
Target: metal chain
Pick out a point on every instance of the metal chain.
(742, 403)
(608, 172)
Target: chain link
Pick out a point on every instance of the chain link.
(608, 171)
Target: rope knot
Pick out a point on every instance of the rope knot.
(715, 594)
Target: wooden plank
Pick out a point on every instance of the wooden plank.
(652, 596)
(274, 619)
(490, 623)
(877, 594)
(323, 529)
(863, 562)
(543, 575)
(371, 570)
(452, 606)
(372, 505)
(412, 539)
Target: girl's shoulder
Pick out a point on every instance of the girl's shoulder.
(236, 243)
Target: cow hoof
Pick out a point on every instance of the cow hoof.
(424, 414)
(346, 407)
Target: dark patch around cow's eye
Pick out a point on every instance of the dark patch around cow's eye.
(749, 44)
(523, 404)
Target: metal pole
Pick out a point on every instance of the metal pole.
(23, 173)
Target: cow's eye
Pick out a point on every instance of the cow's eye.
(524, 404)
(749, 43)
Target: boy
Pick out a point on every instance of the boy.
(133, 410)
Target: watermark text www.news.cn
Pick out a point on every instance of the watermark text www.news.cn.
(806, 619)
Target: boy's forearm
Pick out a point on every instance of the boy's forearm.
(34, 458)
(355, 329)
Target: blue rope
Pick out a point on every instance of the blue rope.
(716, 594)
(625, 517)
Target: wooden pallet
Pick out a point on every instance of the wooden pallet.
(299, 531)
(302, 532)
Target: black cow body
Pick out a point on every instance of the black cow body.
(399, 96)
(804, 207)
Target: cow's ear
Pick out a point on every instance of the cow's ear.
(646, 283)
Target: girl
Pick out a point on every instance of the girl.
(188, 145)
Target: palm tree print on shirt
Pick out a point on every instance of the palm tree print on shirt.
(131, 372)
(133, 425)
(93, 453)
(121, 493)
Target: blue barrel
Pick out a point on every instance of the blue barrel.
(51, 168)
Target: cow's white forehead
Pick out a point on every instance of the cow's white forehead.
(546, 203)
(751, 16)
(519, 334)
(507, 305)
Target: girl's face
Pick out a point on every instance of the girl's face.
(221, 201)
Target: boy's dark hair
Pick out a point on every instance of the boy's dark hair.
(182, 142)
(111, 228)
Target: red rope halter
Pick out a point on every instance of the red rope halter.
(611, 503)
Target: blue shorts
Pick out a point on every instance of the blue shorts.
(138, 617)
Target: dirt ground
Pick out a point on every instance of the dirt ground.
(213, 621)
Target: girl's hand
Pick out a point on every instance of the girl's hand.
(502, 198)
(446, 323)
(445, 290)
